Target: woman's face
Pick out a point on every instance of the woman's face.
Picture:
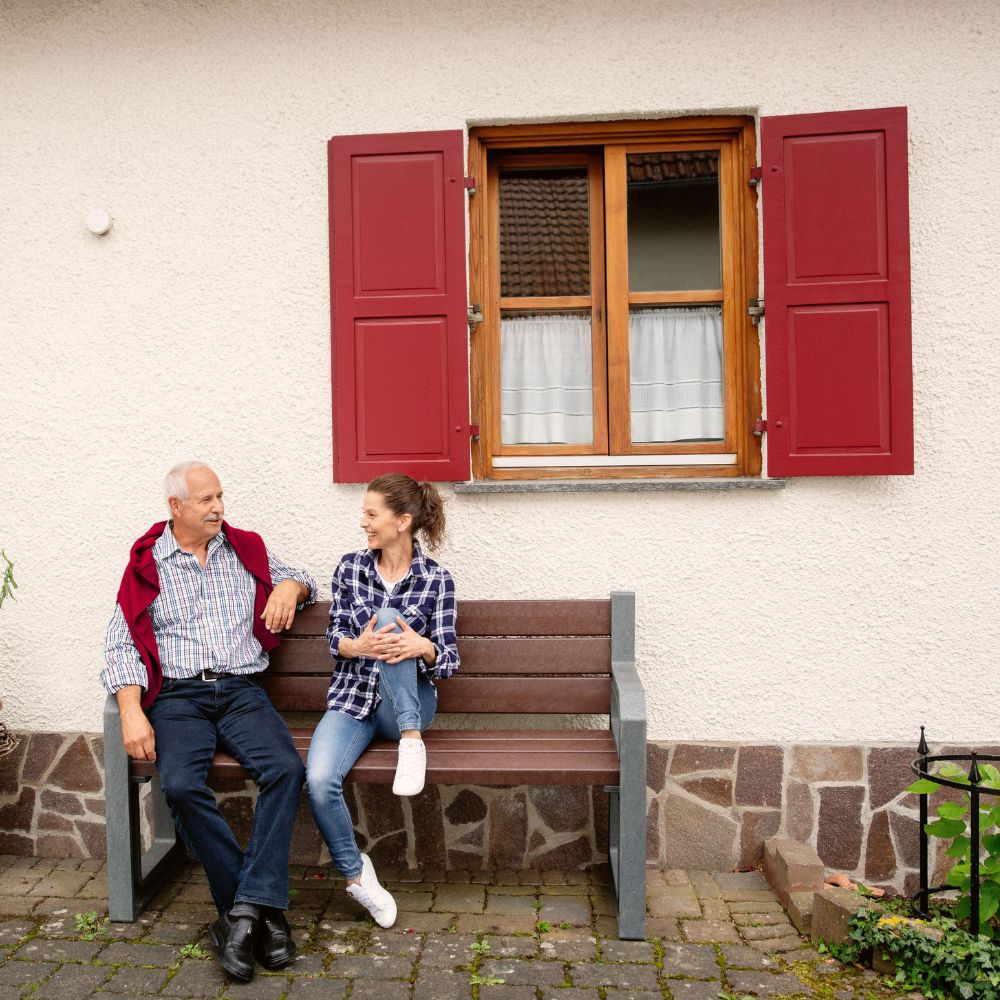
(380, 525)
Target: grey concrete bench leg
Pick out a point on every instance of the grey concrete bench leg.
(134, 876)
(627, 802)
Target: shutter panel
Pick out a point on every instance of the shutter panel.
(837, 294)
(400, 339)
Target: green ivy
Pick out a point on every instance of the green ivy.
(7, 583)
(952, 824)
(941, 966)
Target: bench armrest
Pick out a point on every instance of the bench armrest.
(628, 697)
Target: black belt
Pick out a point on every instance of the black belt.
(211, 675)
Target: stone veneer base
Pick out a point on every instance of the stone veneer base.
(710, 806)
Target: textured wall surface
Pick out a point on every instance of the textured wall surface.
(199, 326)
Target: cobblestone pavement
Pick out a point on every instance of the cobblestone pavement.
(489, 936)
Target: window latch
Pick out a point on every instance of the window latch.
(474, 314)
(755, 310)
(759, 428)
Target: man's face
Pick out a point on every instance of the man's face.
(200, 516)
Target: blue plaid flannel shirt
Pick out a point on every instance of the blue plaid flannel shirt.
(425, 600)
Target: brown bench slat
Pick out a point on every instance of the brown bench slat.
(563, 655)
(542, 695)
(496, 618)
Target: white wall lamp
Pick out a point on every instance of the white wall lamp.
(97, 221)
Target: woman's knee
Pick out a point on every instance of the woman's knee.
(325, 784)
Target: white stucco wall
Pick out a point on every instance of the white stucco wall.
(849, 609)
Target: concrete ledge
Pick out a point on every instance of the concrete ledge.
(800, 911)
(617, 485)
(833, 908)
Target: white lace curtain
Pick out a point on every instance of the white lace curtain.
(546, 381)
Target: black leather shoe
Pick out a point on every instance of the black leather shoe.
(234, 939)
(275, 947)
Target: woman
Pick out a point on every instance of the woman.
(392, 630)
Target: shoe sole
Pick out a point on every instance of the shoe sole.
(235, 973)
(279, 963)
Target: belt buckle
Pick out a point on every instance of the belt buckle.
(208, 680)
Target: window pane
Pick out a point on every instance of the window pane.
(673, 222)
(546, 380)
(544, 233)
(675, 358)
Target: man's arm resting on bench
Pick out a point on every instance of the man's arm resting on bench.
(137, 733)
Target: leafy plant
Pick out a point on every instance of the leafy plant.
(943, 963)
(87, 925)
(7, 583)
(481, 947)
(193, 951)
(953, 824)
(565, 925)
(477, 980)
(543, 926)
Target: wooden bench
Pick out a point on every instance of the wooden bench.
(551, 657)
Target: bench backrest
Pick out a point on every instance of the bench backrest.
(517, 656)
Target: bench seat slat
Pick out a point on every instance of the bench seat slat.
(483, 655)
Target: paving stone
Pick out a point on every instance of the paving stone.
(759, 919)
(57, 905)
(603, 905)
(709, 930)
(482, 923)
(320, 989)
(690, 989)
(627, 951)
(569, 993)
(136, 980)
(370, 967)
(665, 906)
(740, 880)
(714, 909)
(767, 932)
(311, 964)
(14, 931)
(632, 994)
(621, 975)
(15, 976)
(261, 987)
(124, 931)
(740, 957)
(507, 992)
(500, 902)
(16, 883)
(448, 951)
(754, 906)
(767, 983)
(525, 972)
(580, 949)
(71, 982)
(381, 943)
(196, 979)
(459, 899)
(565, 910)
(439, 984)
(748, 895)
(60, 884)
(59, 950)
(167, 932)
(380, 991)
(577, 889)
(696, 960)
(128, 953)
(664, 928)
(17, 905)
(779, 945)
(413, 902)
(505, 946)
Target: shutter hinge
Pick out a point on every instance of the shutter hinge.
(759, 428)
(474, 431)
(470, 185)
(474, 315)
(755, 310)
(756, 176)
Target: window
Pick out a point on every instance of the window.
(613, 263)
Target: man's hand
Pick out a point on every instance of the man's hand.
(137, 734)
(279, 612)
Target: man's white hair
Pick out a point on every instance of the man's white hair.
(175, 485)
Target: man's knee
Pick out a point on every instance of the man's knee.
(180, 787)
(286, 771)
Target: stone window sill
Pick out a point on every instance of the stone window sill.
(616, 485)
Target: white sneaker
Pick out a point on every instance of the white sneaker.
(376, 900)
(410, 767)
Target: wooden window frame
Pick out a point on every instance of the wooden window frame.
(611, 141)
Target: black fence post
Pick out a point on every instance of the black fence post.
(922, 750)
(974, 779)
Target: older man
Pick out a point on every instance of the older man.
(200, 605)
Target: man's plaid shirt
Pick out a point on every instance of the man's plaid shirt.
(202, 618)
(425, 600)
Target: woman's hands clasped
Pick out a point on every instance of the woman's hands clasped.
(393, 647)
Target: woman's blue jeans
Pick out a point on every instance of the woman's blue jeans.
(408, 702)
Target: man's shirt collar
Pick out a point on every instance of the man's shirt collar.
(166, 546)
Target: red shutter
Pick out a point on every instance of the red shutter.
(837, 294)
(400, 333)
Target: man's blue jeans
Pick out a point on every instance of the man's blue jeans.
(408, 702)
(189, 717)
